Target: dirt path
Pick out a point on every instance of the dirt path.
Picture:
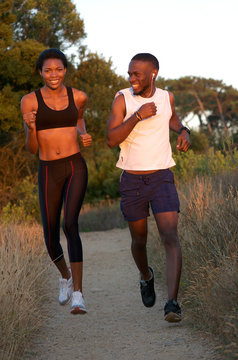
(117, 326)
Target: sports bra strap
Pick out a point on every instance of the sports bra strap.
(39, 97)
(70, 95)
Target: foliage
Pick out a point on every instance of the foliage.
(26, 208)
(190, 164)
(199, 141)
(6, 28)
(103, 174)
(214, 103)
(17, 76)
(54, 23)
(15, 164)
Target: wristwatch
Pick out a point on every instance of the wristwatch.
(184, 128)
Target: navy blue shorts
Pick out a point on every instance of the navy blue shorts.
(139, 191)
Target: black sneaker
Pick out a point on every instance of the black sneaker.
(172, 311)
(147, 290)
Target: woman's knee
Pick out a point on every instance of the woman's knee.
(70, 227)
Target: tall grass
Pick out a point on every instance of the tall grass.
(208, 232)
(101, 216)
(21, 286)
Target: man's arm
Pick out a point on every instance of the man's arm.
(117, 130)
(183, 142)
(28, 109)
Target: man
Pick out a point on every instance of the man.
(139, 122)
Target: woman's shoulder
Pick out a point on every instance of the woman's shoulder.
(79, 96)
(29, 98)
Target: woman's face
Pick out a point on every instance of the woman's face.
(53, 73)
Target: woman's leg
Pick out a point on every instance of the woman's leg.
(51, 197)
(74, 191)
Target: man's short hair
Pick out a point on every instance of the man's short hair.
(51, 54)
(147, 57)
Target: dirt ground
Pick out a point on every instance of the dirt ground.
(117, 325)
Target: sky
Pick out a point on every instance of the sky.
(189, 37)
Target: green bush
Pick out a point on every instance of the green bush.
(190, 164)
(26, 207)
(103, 175)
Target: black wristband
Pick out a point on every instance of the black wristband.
(184, 128)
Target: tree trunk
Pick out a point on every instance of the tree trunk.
(200, 103)
(221, 113)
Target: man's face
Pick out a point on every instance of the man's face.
(140, 77)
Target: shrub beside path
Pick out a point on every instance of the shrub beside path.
(117, 325)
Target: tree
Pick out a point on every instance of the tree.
(95, 76)
(6, 21)
(215, 104)
(17, 74)
(54, 23)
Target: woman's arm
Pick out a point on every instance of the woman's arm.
(29, 110)
(80, 100)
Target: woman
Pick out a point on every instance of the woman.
(52, 117)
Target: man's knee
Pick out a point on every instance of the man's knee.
(139, 241)
(170, 237)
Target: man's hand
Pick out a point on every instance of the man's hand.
(30, 120)
(147, 110)
(86, 139)
(183, 142)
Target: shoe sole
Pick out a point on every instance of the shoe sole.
(172, 317)
(78, 310)
(149, 306)
(65, 303)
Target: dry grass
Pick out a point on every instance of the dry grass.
(15, 164)
(208, 233)
(101, 216)
(22, 254)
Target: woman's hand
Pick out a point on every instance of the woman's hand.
(86, 139)
(30, 120)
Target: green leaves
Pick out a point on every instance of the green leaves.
(54, 23)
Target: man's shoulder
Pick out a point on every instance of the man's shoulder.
(124, 91)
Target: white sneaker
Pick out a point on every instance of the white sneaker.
(65, 291)
(78, 305)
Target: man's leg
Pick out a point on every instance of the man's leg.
(167, 225)
(138, 230)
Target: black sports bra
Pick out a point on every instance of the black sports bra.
(47, 118)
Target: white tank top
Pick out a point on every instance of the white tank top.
(147, 147)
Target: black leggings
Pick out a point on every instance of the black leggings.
(64, 180)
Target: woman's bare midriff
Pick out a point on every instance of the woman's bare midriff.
(57, 143)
